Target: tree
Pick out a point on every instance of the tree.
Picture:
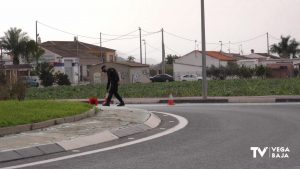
(170, 58)
(32, 52)
(130, 59)
(286, 47)
(62, 79)
(46, 74)
(15, 41)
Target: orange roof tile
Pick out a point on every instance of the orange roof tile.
(220, 56)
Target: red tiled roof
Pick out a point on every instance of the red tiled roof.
(220, 56)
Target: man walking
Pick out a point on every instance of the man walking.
(112, 85)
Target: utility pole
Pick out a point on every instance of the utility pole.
(268, 45)
(204, 80)
(163, 53)
(141, 54)
(221, 46)
(36, 33)
(102, 59)
(145, 51)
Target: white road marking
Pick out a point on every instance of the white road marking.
(182, 123)
(131, 138)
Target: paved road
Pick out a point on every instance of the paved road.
(218, 136)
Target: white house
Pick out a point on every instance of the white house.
(75, 58)
(191, 63)
(66, 65)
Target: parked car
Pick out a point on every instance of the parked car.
(162, 78)
(191, 77)
(30, 82)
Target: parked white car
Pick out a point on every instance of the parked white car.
(191, 77)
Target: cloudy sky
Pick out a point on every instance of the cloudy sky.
(242, 22)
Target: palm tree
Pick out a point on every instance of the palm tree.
(286, 47)
(15, 41)
(32, 52)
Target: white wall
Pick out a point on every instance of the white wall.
(192, 64)
(180, 69)
(139, 75)
(251, 63)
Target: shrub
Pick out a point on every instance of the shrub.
(62, 79)
(260, 71)
(46, 74)
(245, 72)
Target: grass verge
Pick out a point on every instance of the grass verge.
(32, 111)
(239, 87)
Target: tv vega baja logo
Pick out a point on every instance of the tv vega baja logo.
(273, 152)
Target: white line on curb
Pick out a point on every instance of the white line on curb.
(182, 123)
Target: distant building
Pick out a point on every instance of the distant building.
(75, 58)
(129, 72)
(191, 63)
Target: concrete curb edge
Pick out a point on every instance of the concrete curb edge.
(104, 136)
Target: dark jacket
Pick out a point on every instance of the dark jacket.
(112, 77)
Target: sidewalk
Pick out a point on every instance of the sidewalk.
(109, 124)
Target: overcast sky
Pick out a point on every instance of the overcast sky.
(226, 20)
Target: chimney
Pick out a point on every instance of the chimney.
(252, 51)
(75, 38)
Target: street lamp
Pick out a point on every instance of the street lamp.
(145, 51)
(204, 79)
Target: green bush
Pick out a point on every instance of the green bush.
(62, 79)
(46, 74)
(245, 72)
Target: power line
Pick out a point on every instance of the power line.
(273, 37)
(153, 47)
(172, 50)
(148, 32)
(121, 36)
(248, 40)
(180, 37)
(51, 27)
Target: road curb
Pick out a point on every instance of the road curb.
(152, 121)
(27, 127)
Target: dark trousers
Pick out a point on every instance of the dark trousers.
(114, 91)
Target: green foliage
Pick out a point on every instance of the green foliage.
(62, 79)
(17, 113)
(14, 40)
(238, 87)
(245, 72)
(130, 59)
(170, 59)
(169, 69)
(260, 71)
(286, 47)
(46, 74)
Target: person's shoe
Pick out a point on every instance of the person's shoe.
(121, 104)
(106, 104)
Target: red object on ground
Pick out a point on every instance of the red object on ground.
(171, 100)
(93, 101)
